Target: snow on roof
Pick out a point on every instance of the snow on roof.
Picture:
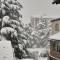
(55, 36)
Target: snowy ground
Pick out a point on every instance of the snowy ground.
(38, 51)
(43, 58)
(38, 59)
(6, 51)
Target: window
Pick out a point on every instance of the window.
(57, 27)
(56, 46)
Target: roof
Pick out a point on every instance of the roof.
(55, 36)
(57, 19)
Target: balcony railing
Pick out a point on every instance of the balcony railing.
(54, 54)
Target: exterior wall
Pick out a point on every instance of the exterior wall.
(53, 26)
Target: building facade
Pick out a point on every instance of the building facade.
(54, 52)
(55, 24)
(34, 22)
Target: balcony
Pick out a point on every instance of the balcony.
(54, 54)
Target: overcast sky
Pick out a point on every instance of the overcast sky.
(39, 8)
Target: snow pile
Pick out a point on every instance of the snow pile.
(6, 52)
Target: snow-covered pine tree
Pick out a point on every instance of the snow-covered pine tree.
(41, 34)
(10, 24)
